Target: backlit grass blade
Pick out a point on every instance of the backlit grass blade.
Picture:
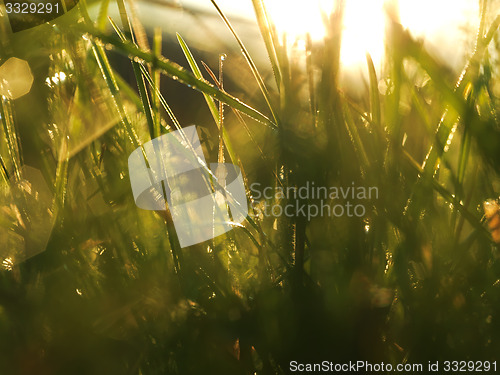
(250, 62)
(103, 15)
(155, 73)
(143, 93)
(267, 34)
(254, 223)
(463, 156)
(113, 87)
(109, 78)
(453, 96)
(450, 198)
(3, 170)
(358, 144)
(374, 95)
(459, 107)
(177, 72)
(244, 124)
(197, 73)
(210, 101)
(310, 78)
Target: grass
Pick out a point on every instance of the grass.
(111, 291)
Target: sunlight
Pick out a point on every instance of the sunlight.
(363, 25)
(431, 17)
(364, 22)
(296, 18)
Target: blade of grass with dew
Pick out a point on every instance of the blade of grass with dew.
(250, 62)
(143, 94)
(113, 87)
(210, 101)
(220, 158)
(358, 144)
(178, 127)
(136, 34)
(176, 123)
(139, 36)
(10, 134)
(448, 196)
(107, 72)
(176, 72)
(448, 121)
(141, 72)
(150, 81)
(108, 75)
(470, 70)
(256, 224)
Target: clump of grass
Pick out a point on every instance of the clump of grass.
(415, 279)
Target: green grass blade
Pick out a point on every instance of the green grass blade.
(109, 77)
(450, 198)
(103, 15)
(374, 95)
(267, 35)
(177, 72)
(358, 144)
(197, 73)
(250, 62)
(3, 170)
(107, 72)
(143, 94)
(463, 156)
(210, 101)
(310, 78)
(155, 73)
(10, 134)
(453, 96)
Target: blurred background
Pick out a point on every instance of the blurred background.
(397, 95)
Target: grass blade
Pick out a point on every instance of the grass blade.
(250, 62)
(374, 96)
(267, 35)
(177, 72)
(210, 101)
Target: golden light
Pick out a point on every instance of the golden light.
(363, 32)
(364, 23)
(363, 29)
(296, 18)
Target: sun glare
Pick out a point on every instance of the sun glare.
(364, 22)
(296, 18)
